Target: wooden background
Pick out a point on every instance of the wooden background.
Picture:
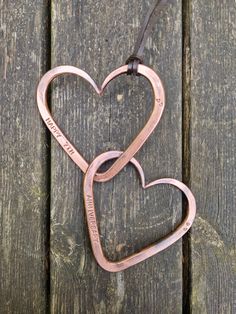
(46, 264)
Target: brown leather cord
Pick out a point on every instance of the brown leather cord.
(136, 58)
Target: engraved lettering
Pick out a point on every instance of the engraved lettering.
(92, 219)
(69, 149)
(53, 128)
(160, 103)
(57, 133)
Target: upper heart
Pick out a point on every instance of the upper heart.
(150, 250)
(125, 157)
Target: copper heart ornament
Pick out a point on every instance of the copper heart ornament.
(146, 252)
(124, 158)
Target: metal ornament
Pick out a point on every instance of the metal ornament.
(92, 220)
(123, 158)
(133, 66)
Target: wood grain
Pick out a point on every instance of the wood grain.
(98, 36)
(23, 203)
(213, 151)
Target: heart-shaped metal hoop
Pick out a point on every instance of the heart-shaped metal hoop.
(124, 158)
(93, 226)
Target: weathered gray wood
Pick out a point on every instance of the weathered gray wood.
(23, 233)
(213, 151)
(98, 36)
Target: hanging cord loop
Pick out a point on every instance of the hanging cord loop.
(136, 58)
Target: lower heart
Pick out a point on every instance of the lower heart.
(150, 250)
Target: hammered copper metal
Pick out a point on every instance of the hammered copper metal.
(92, 220)
(124, 158)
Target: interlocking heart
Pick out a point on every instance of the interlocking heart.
(92, 220)
(122, 158)
(159, 103)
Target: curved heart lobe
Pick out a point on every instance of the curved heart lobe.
(124, 158)
(146, 252)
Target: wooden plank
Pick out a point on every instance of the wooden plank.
(23, 203)
(213, 151)
(98, 36)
